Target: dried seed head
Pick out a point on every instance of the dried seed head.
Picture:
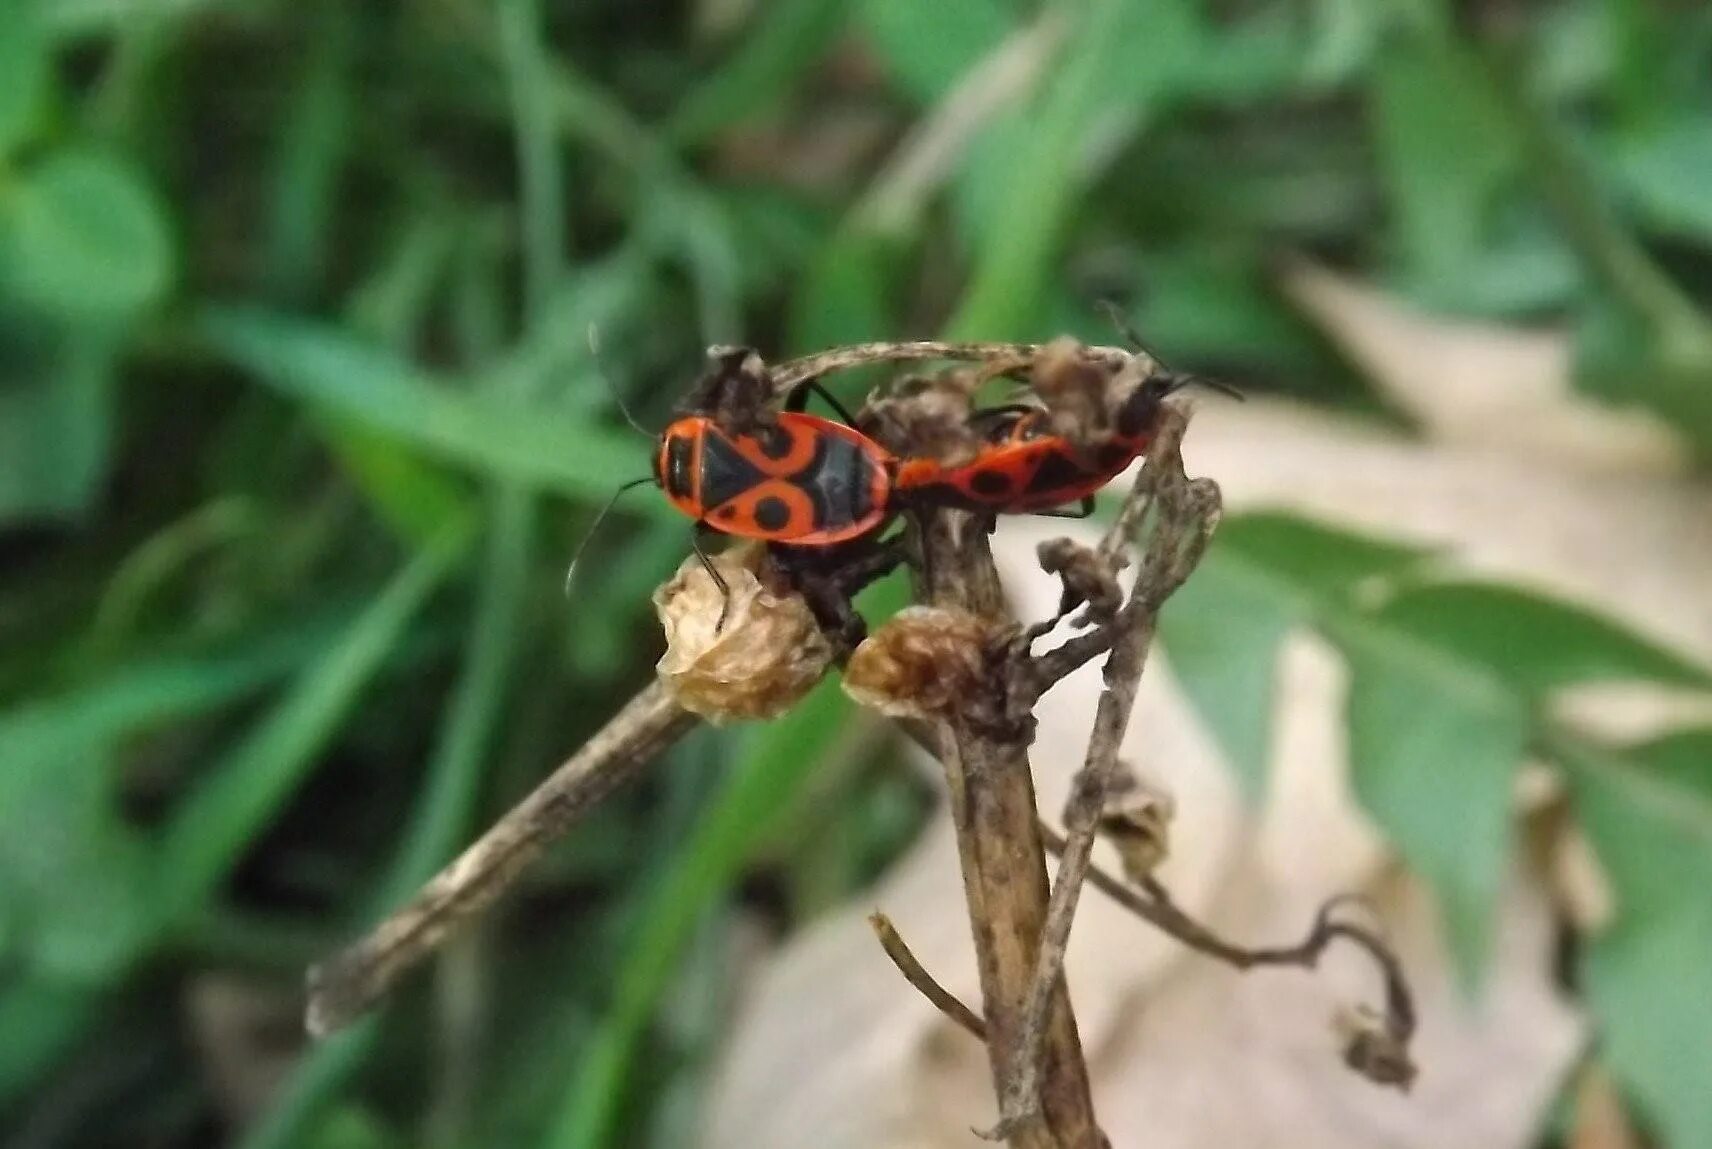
(1088, 576)
(924, 663)
(926, 416)
(1074, 386)
(769, 653)
(1137, 821)
(1373, 1049)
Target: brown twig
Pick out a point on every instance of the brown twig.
(1187, 515)
(342, 988)
(1152, 902)
(942, 999)
(794, 372)
(985, 756)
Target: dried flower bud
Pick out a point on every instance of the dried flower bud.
(769, 653)
(927, 416)
(924, 663)
(1073, 385)
(1137, 821)
(1373, 1049)
(1088, 577)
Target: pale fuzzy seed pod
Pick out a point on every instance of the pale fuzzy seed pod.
(923, 663)
(769, 653)
(1137, 821)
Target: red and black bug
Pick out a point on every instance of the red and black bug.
(801, 479)
(787, 478)
(1023, 467)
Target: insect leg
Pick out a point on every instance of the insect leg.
(798, 400)
(1084, 508)
(718, 581)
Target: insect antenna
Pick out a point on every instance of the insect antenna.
(1116, 317)
(1173, 381)
(576, 556)
(611, 387)
(1181, 381)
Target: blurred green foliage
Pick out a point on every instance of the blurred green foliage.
(298, 424)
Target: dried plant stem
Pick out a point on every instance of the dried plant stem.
(1003, 861)
(791, 373)
(941, 998)
(1382, 1055)
(1187, 514)
(342, 988)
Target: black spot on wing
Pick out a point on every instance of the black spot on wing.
(991, 484)
(771, 513)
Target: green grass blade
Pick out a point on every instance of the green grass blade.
(791, 38)
(208, 832)
(320, 365)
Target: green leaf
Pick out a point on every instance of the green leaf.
(1444, 152)
(1666, 173)
(1683, 760)
(24, 61)
(927, 48)
(1535, 644)
(1320, 560)
(156, 691)
(43, 1020)
(85, 237)
(318, 364)
(416, 499)
(77, 879)
(209, 831)
(770, 59)
(1649, 814)
(1259, 58)
(1344, 38)
(1037, 183)
(56, 429)
(1263, 574)
(1434, 746)
(847, 296)
(313, 146)
(1222, 633)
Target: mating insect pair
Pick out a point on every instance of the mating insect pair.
(802, 481)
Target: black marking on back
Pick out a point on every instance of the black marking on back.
(725, 474)
(839, 479)
(679, 483)
(1056, 470)
(1113, 456)
(989, 483)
